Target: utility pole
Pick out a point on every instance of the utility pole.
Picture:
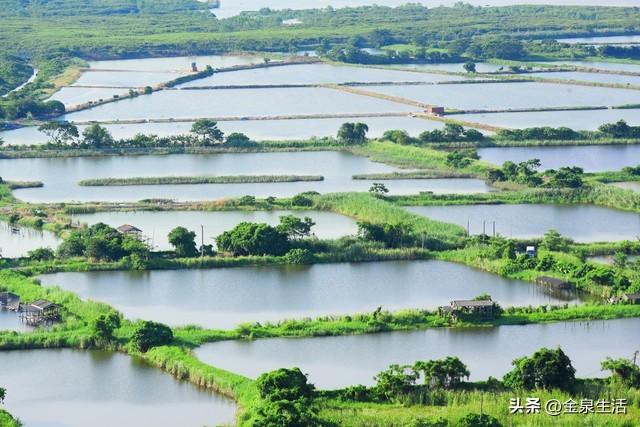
(484, 229)
(635, 356)
(494, 229)
(468, 227)
(201, 243)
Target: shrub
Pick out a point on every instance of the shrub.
(149, 334)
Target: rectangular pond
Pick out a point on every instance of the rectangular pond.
(336, 362)
(590, 77)
(16, 241)
(592, 158)
(61, 176)
(175, 64)
(226, 297)
(584, 223)
(69, 388)
(258, 130)
(633, 186)
(315, 74)
(232, 103)
(71, 96)
(611, 66)
(576, 119)
(498, 96)
(602, 39)
(133, 79)
(458, 67)
(156, 225)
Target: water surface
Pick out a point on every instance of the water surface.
(10, 321)
(577, 119)
(61, 176)
(177, 64)
(602, 39)
(634, 186)
(232, 103)
(511, 95)
(156, 226)
(590, 77)
(133, 79)
(334, 362)
(584, 223)
(316, 73)
(258, 130)
(592, 158)
(611, 66)
(225, 297)
(71, 96)
(16, 241)
(70, 388)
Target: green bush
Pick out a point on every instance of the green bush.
(149, 334)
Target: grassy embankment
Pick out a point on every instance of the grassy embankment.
(6, 420)
(180, 180)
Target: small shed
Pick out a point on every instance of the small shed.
(553, 282)
(194, 67)
(530, 251)
(631, 298)
(482, 308)
(9, 301)
(39, 312)
(435, 110)
(129, 229)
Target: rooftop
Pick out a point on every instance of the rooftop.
(472, 303)
(127, 228)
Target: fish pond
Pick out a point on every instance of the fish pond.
(226, 297)
(335, 362)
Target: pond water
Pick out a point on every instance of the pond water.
(156, 225)
(612, 66)
(230, 8)
(584, 223)
(602, 39)
(258, 130)
(10, 321)
(16, 241)
(177, 64)
(335, 362)
(590, 77)
(316, 73)
(61, 176)
(225, 297)
(69, 388)
(71, 95)
(592, 158)
(578, 120)
(481, 67)
(232, 103)
(635, 186)
(132, 79)
(511, 95)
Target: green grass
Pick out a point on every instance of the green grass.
(179, 180)
(407, 156)
(365, 207)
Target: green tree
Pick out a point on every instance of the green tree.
(378, 188)
(294, 227)
(623, 371)
(208, 132)
(150, 334)
(553, 241)
(445, 373)
(353, 133)
(104, 326)
(470, 67)
(59, 132)
(546, 369)
(284, 384)
(286, 413)
(184, 242)
(396, 381)
(97, 136)
(237, 139)
(41, 254)
(299, 256)
(249, 238)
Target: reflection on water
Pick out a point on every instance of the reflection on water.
(334, 362)
(67, 388)
(16, 241)
(584, 223)
(225, 297)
